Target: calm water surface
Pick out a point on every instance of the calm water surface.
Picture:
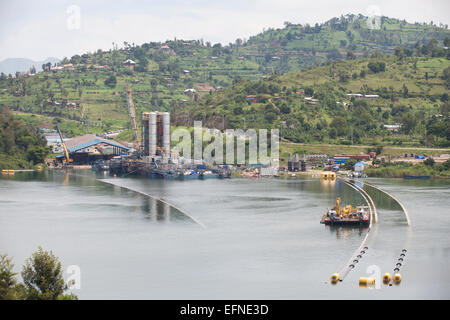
(262, 237)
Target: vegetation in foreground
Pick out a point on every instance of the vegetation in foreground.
(42, 279)
(21, 146)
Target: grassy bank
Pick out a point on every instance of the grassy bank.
(398, 169)
(331, 149)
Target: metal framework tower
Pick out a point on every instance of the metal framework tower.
(132, 113)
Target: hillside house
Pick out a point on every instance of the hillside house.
(167, 49)
(311, 100)
(393, 127)
(251, 98)
(129, 64)
(190, 92)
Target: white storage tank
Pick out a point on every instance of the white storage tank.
(166, 133)
(152, 134)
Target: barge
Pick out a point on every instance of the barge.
(346, 215)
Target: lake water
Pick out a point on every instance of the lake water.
(261, 237)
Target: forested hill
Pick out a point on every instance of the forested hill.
(297, 46)
(21, 146)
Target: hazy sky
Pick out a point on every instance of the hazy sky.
(51, 28)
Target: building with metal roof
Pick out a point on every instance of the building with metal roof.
(90, 148)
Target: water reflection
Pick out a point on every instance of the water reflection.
(259, 250)
(158, 211)
(345, 232)
(85, 181)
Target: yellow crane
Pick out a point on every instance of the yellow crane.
(344, 211)
(67, 158)
(132, 113)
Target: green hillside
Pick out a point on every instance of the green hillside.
(88, 94)
(21, 146)
(297, 46)
(412, 92)
(158, 80)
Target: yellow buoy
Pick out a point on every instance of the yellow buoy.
(386, 278)
(335, 278)
(11, 171)
(5, 171)
(366, 282)
(397, 278)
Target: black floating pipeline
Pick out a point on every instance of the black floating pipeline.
(397, 278)
(358, 255)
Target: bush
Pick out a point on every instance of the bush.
(429, 162)
(377, 67)
(349, 164)
(111, 81)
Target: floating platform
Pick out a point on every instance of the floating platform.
(346, 215)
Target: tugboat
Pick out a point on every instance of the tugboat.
(346, 215)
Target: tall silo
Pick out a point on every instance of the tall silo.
(152, 134)
(145, 133)
(166, 134)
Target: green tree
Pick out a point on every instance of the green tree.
(409, 122)
(362, 74)
(111, 81)
(43, 277)
(447, 42)
(37, 154)
(285, 109)
(350, 55)
(8, 283)
(349, 164)
(429, 162)
(333, 133)
(405, 91)
(238, 110)
(340, 124)
(376, 67)
(309, 91)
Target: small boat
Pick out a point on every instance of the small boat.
(406, 176)
(340, 215)
(207, 174)
(187, 175)
(100, 165)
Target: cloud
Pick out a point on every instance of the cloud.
(44, 32)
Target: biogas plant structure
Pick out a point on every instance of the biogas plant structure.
(156, 135)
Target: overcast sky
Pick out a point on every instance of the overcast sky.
(51, 28)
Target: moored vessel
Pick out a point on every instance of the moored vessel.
(346, 215)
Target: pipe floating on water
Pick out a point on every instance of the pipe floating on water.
(397, 278)
(386, 278)
(366, 282)
(335, 277)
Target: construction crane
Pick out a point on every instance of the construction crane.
(132, 113)
(67, 159)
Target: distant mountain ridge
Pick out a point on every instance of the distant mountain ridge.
(13, 65)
